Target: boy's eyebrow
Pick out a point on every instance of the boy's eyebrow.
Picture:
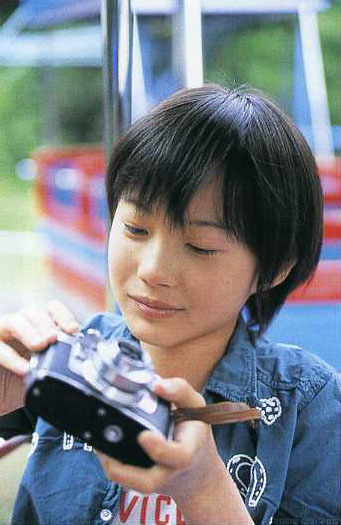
(142, 208)
(146, 208)
(207, 224)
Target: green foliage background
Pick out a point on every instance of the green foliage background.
(261, 55)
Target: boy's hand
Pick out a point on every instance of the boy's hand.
(31, 329)
(184, 467)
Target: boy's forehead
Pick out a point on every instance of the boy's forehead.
(204, 209)
(139, 205)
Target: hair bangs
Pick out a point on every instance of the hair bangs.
(165, 165)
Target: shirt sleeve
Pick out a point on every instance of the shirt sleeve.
(311, 492)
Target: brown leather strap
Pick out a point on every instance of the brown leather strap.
(218, 413)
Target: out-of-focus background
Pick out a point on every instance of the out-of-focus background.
(53, 132)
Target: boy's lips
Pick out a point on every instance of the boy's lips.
(152, 309)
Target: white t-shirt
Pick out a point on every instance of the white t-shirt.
(154, 509)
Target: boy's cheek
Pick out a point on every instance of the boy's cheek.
(121, 267)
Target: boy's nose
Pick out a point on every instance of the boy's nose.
(158, 266)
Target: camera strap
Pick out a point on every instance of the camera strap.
(218, 413)
(214, 414)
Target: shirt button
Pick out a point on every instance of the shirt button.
(106, 514)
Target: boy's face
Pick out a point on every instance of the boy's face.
(177, 285)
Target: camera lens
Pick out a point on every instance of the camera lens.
(113, 433)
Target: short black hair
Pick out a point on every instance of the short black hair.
(271, 192)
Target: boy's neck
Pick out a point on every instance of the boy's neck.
(193, 360)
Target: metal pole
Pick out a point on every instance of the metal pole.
(117, 31)
(109, 47)
(315, 81)
(125, 64)
(188, 43)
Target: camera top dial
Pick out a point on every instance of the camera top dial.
(123, 364)
(118, 369)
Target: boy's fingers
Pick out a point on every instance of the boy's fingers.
(12, 361)
(32, 329)
(107, 463)
(178, 454)
(16, 327)
(62, 316)
(180, 392)
(41, 321)
(144, 480)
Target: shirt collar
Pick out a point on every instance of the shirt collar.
(234, 377)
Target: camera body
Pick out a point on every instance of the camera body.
(100, 391)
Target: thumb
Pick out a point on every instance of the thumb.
(180, 392)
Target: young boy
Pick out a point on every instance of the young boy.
(216, 217)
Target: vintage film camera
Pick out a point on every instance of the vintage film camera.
(99, 391)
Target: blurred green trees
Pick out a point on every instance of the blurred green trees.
(330, 26)
(259, 54)
(39, 106)
(19, 123)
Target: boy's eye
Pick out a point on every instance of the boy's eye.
(133, 230)
(202, 251)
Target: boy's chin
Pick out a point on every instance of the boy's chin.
(152, 335)
(149, 337)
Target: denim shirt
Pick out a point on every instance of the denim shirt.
(286, 466)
